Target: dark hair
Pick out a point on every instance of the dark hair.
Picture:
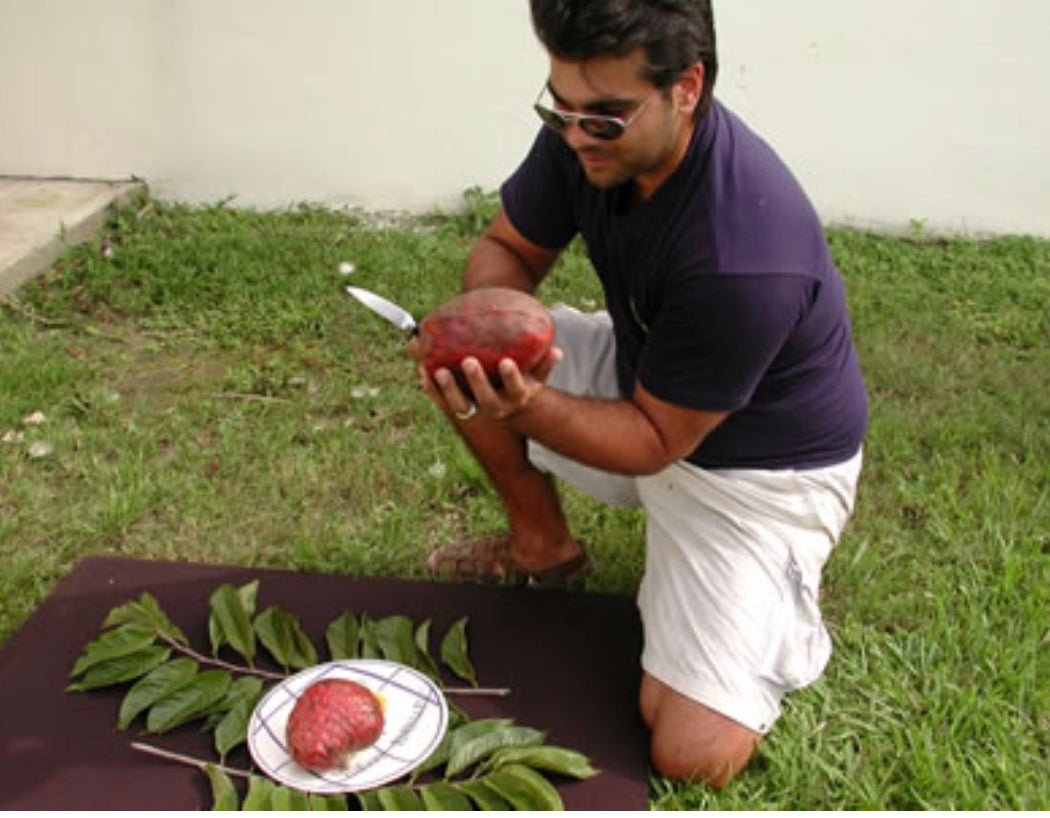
(674, 33)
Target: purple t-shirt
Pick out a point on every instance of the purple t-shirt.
(722, 292)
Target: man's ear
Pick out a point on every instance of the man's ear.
(688, 88)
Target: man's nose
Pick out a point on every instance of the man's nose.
(576, 137)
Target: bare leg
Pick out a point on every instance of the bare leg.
(692, 742)
(539, 535)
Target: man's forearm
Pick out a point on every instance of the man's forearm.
(613, 435)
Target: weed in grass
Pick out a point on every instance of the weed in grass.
(210, 393)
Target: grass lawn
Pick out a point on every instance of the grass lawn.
(197, 386)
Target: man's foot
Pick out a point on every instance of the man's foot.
(489, 560)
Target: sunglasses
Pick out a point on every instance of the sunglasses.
(597, 125)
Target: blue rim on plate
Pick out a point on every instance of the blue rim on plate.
(415, 719)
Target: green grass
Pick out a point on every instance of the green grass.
(210, 393)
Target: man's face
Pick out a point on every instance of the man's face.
(654, 142)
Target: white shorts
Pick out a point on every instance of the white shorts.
(729, 600)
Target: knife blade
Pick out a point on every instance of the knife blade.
(398, 316)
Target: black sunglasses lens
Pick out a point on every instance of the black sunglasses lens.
(598, 127)
(552, 119)
(602, 128)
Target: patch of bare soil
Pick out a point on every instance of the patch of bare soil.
(159, 374)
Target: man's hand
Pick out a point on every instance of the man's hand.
(510, 398)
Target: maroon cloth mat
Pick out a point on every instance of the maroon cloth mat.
(571, 661)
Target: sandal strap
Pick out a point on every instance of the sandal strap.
(578, 567)
(488, 558)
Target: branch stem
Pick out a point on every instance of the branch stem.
(277, 677)
(476, 691)
(190, 761)
(210, 660)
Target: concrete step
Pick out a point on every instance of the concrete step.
(41, 218)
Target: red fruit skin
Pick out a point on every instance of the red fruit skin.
(489, 324)
(333, 718)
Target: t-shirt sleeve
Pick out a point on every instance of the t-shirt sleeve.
(537, 198)
(715, 335)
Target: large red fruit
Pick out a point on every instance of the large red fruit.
(332, 719)
(489, 324)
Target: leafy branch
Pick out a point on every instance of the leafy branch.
(488, 764)
(219, 663)
(508, 776)
(186, 650)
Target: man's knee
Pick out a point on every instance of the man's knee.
(714, 761)
(691, 742)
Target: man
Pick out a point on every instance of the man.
(720, 391)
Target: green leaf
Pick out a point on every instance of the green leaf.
(440, 756)
(188, 702)
(426, 662)
(454, 652)
(284, 638)
(150, 689)
(248, 594)
(558, 760)
(369, 644)
(258, 797)
(524, 788)
(328, 803)
(443, 796)
(369, 801)
(475, 729)
(470, 753)
(484, 796)
(147, 614)
(399, 798)
(122, 669)
(232, 731)
(227, 606)
(395, 638)
(285, 799)
(456, 716)
(112, 645)
(224, 795)
(215, 635)
(342, 635)
(246, 687)
(271, 628)
(457, 738)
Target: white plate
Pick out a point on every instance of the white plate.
(415, 717)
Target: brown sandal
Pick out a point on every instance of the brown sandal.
(488, 559)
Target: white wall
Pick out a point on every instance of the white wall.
(887, 110)
(891, 110)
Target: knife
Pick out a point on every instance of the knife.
(399, 317)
